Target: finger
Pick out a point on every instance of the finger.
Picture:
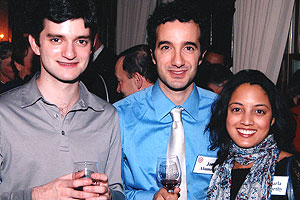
(176, 190)
(83, 194)
(80, 182)
(78, 175)
(103, 197)
(66, 177)
(97, 189)
(100, 177)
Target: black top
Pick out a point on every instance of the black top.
(101, 71)
(239, 175)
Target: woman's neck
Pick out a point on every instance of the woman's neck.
(239, 166)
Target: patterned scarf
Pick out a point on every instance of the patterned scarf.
(258, 182)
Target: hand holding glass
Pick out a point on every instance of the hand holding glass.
(168, 172)
(86, 168)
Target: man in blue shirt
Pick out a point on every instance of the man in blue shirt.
(145, 121)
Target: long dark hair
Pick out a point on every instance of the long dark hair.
(283, 128)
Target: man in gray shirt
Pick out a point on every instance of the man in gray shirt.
(53, 121)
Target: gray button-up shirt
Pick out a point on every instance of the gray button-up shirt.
(38, 145)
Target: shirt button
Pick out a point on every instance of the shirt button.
(63, 133)
(56, 115)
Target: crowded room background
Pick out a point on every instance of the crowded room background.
(128, 84)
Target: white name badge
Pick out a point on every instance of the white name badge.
(279, 185)
(204, 165)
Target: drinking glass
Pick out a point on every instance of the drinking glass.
(88, 167)
(168, 172)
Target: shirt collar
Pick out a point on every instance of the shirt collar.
(163, 105)
(97, 52)
(31, 94)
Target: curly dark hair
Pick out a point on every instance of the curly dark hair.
(59, 11)
(176, 10)
(138, 59)
(283, 128)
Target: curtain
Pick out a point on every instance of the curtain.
(260, 34)
(132, 18)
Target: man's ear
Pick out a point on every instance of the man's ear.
(272, 121)
(18, 66)
(138, 80)
(153, 57)
(35, 48)
(203, 55)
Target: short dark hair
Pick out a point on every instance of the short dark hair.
(283, 127)
(59, 11)
(212, 73)
(138, 59)
(176, 10)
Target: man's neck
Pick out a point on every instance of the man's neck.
(63, 95)
(177, 97)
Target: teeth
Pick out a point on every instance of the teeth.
(175, 72)
(246, 132)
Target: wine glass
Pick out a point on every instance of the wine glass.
(88, 167)
(168, 172)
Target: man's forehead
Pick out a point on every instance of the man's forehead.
(75, 25)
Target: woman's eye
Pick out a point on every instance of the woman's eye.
(235, 109)
(261, 112)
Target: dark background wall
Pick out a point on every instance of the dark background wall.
(220, 14)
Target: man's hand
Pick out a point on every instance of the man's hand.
(163, 194)
(64, 188)
(101, 188)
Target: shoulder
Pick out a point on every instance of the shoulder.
(98, 103)
(206, 96)
(135, 99)
(286, 159)
(13, 96)
(135, 104)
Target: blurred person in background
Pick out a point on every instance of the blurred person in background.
(24, 63)
(6, 71)
(135, 70)
(213, 77)
(293, 92)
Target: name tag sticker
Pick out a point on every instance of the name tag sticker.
(204, 165)
(279, 185)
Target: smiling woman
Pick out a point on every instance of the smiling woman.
(253, 130)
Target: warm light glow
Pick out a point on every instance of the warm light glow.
(1, 36)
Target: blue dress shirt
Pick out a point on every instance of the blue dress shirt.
(145, 124)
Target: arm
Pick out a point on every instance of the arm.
(113, 166)
(63, 187)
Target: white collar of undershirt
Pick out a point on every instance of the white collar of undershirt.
(97, 52)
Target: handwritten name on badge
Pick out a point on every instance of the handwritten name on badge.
(279, 185)
(204, 165)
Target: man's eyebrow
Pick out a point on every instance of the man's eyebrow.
(163, 42)
(50, 35)
(54, 35)
(186, 43)
(191, 43)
